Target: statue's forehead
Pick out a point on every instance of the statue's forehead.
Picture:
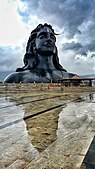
(45, 29)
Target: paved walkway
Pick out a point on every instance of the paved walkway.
(57, 139)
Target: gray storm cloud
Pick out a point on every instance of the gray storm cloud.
(72, 46)
(10, 58)
(76, 19)
(68, 14)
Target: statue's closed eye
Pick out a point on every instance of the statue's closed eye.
(42, 35)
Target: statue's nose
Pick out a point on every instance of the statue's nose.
(49, 38)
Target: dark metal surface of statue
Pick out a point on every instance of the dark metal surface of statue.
(41, 62)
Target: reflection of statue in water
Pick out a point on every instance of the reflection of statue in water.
(41, 59)
(42, 129)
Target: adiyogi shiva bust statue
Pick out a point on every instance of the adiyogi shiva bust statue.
(41, 62)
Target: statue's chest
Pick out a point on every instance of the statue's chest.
(56, 75)
(33, 77)
(30, 77)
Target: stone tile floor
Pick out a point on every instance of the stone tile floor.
(57, 139)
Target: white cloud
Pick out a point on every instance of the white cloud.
(12, 29)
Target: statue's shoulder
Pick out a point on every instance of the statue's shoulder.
(12, 78)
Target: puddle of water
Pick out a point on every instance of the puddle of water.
(40, 132)
(77, 114)
(14, 139)
(42, 129)
(90, 97)
(9, 111)
(4, 101)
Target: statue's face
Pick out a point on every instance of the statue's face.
(45, 41)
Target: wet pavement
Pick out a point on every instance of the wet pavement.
(55, 139)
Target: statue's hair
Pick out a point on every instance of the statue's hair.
(30, 58)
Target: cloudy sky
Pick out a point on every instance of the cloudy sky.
(73, 19)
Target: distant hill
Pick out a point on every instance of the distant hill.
(87, 76)
(4, 74)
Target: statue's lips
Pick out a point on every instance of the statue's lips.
(49, 45)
